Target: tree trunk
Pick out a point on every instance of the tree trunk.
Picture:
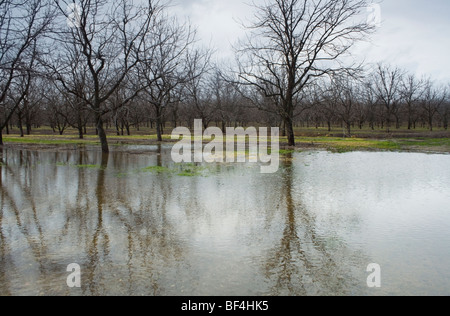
(1, 136)
(21, 126)
(102, 135)
(397, 122)
(289, 122)
(158, 125)
(290, 132)
(409, 118)
(117, 127)
(80, 131)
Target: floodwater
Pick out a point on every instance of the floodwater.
(138, 224)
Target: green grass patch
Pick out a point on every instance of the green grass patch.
(88, 166)
(425, 142)
(181, 170)
(342, 145)
(41, 141)
(190, 172)
(157, 169)
(81, 166)
(319, 139)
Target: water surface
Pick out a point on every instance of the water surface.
(138, 224)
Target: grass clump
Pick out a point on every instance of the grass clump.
(88, 166)
(157, 169)
(189, 170)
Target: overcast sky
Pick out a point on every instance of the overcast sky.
(414, 34)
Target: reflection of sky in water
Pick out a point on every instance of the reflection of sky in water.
(312, 228)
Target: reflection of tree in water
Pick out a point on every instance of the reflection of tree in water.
(17, 192)
(100, 240)
(4, 247)
(118, 230)
(304, 262)
(132, 240)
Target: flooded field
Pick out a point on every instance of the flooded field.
(138, 224)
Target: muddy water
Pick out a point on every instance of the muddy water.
(138, 224)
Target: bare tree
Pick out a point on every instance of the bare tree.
(431, 101)
(57, 110)
(343, 98)
(445, 110)
(22, 24)
(28, 97)
(106, 44)
(327, 103)
(411, 91)
(198, 94)
(226, 100)
(387, 83)
(293, 42)
(163, 68)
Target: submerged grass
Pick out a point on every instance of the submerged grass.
(64, 164)
(157, 169)
(190, 172)
(286, 151)
(181, 170)
(88, 166)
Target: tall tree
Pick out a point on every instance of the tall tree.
(22, 25)
(293, 42)
(198, 94)
(411, 91)
(105, 38)
(431, 102)
(163, 69)
(387, 83)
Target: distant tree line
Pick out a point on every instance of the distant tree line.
(123, 65)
